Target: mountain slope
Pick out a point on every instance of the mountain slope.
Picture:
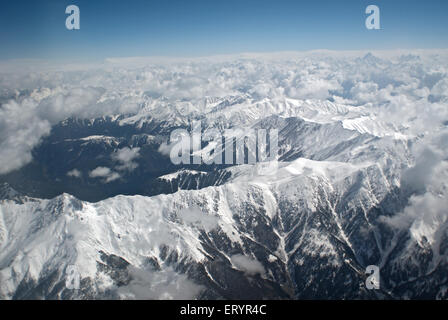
(306, 231)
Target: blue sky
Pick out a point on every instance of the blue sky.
(118, 28)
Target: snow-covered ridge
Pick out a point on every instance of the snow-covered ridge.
(397, 94)
(51, 234)
(131, 227)
(361, 179)
(95, 138)
(175, 175)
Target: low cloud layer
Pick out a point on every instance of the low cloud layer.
(24, 121)
(427, 181)
(405, 88)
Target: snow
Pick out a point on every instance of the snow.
(175, 175)
(347, 132)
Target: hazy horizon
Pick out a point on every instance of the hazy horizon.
(205, 28)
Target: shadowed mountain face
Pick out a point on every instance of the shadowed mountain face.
(64, 160)
(305, 230)
(301, 235)
(358, 181)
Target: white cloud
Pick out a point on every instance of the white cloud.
(426, 213)
(161, 285)
(100, 172)
(179, 141)
(312, 87)
(247, 264)
(165, 149)
(20, 130)
(195, 216)
(23, 123)
(104, 172)
(125, 157)
(407, 88)
(75, 173)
